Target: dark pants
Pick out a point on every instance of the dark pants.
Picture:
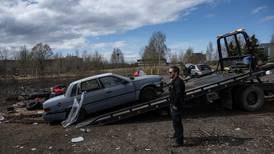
(177, 123)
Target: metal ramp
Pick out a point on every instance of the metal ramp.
(126, 112)
(191, 92)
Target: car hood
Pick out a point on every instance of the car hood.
(54, 100)
(139, 82)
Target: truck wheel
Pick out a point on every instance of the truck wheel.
(147, 94)
(252, 98)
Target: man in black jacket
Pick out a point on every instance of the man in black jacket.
(176, 95)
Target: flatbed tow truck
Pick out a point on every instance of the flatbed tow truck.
(243, 87)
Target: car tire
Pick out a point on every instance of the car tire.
(147, 94)
(252, 98)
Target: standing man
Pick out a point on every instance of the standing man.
(176, 95)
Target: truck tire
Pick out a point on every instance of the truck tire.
(147, 94)
(252, 98)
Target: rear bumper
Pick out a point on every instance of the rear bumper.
(54, 117)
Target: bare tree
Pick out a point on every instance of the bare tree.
(97, 60)
(24, 59)
(209, 51)
(156, 49)
(188, 55)
(4, 54)
(117, 57)
(3, 61)
(174, 59)
(40, 53)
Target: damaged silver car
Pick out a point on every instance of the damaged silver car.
(103, 92)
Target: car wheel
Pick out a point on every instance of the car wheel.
(252, 98)
(147, 94)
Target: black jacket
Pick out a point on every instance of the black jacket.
(177, 91)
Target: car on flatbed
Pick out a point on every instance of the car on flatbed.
(198, 70)
(103, 92)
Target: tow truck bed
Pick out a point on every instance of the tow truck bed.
(194, 88)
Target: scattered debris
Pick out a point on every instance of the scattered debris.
(82, 130)
(77, 139)
(117, 148)
(36, 103)
(11, 109)
(20, 98)
(147, 149)
(17, 146)
(237, 129)
(2, 117)
(85, 130)
(58, 90)
(33, 149)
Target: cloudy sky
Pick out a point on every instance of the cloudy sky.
(69, 25)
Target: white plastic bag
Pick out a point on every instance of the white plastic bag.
(74, 112)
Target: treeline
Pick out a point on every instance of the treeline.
(40, 60)
(156, 51)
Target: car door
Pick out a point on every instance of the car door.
(94, 99)
(117, 90)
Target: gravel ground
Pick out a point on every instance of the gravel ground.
(208, 129)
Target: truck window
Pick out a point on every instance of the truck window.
(90, 85)
(111, 81)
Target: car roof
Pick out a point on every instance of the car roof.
(92, 77)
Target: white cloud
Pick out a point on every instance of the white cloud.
(268, 18)
(258, 9)
(108, 45)
(68, 23)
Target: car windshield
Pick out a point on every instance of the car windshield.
(71, 90)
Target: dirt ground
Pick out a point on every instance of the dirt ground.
(207, 129)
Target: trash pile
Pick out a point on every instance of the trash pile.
(29, 105)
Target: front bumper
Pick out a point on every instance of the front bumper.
(54, 117)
